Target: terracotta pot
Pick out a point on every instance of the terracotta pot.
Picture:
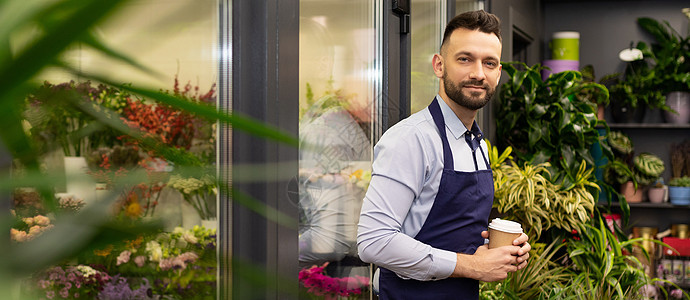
(631, 194)
(656, 195)
(601, 112)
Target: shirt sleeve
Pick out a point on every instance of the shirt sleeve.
(400, 168)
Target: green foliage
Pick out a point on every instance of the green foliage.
(635, 87)
(543, 121)
(539, 280)
(680, 181)
(595, 94)
(620, 142)
(604, 270)
(524, 194)
(670, 54)
(666, 68)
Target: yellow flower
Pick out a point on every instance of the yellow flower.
(133, 209)
(104, 252)
(357, 174)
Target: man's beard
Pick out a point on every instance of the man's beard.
(474, 101)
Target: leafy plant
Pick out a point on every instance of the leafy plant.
(648, 167)
(670, 55)
(635, 89)
(604, 270)
(543, 120)
(525, 195)
(680, 181)
(620, 142)
(542, 276)
(595, 94)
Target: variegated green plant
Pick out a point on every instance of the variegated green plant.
(649, 164)
(524, 194)
(605, 269)
(620, 142)
(536, 281)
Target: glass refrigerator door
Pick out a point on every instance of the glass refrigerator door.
(338, 77)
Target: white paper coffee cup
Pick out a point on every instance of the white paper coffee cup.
(503, 232)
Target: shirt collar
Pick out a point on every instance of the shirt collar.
(453, 123)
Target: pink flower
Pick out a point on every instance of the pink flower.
(41, 220)
(166, 264)
(50, 294)
(64, 293)
(35, 230)
(123, 258)
(18, 235)
(140, 260)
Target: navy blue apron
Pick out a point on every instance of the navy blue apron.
(458, 216)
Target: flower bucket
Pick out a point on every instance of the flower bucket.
(78, 182)
(679, 195)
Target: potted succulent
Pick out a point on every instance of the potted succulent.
(670, 55)
(679, 190)
(657, 192)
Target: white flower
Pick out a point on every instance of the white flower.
(86, 271)
(154, 251)
(190, 238)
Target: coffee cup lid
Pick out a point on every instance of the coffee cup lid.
(505, 226)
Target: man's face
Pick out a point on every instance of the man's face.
(470, 68)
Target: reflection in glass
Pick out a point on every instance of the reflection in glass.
(337, 96)
(427, 19)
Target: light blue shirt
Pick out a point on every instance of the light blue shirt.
(406, 173)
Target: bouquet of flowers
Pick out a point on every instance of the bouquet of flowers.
(71, 282)
(180, 264)
(196, 192)
(322, 285)
(52, 124)
(29, 228)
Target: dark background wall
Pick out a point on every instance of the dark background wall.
(607, 27)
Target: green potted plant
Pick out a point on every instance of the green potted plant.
(598, 96)
(544, 120)
(525, 195)
(679, 190)
(633, 92)
(670, 55)
(629, 171)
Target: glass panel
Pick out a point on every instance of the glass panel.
(427, 20)
(338, 79)
(177, 41)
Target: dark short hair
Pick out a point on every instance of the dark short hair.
(473, 20)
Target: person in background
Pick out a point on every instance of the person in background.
(426, 211)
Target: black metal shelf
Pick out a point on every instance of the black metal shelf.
(664, 205)
(648, 126)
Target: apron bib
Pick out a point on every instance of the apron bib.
(458, 216)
